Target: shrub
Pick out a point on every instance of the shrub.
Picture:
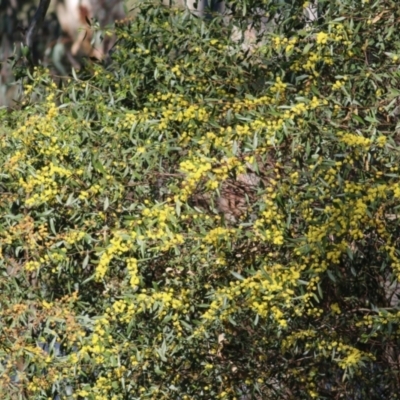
(194, 221)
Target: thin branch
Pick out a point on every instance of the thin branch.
(34, 26)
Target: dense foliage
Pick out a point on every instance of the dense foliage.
(196, 221)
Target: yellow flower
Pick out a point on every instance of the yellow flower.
(335, 308)
(322, 38)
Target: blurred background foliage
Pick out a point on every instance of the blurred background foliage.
(51, 44)
(210, 214)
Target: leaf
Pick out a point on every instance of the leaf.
(85, 261)
(307, 48)
(74, 75)
(237, 275)
(256, 319)
(186, 325)
(106, 204)
(331, 276)
(70, 200)
(350, 253)
(91, 278)
(162, 350)
(178, 208)
(98, 166)
(52, 228)
(319, 290)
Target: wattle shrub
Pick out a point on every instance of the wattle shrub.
(195, 221)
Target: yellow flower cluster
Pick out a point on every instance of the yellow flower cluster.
(293, 338)
(335, 308)
(119, 244)
(212, 138)
(174, 239)
(299, 109)
(218, 235)
(337, 85)
(180, 110)
(314, 103)
(312, 60)
(130, 119)
(162, 213)
(352, 358)
(55, 258)
(45, 183)
(285, 43)
(162, 301)
(12, 163)
(160, 221)
(73, 237)
(322, 38)
(381, 141)
(396, 191)
(264, 293)
(339, 34)
(121, 310)
(176, 70)
(99, 342)
(85, 194)
(354, 140)
(132, 266)
(195, 170)
(270, 226)
(278, 86)
(31, 266)
(54, 149)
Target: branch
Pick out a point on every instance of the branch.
(34, 26)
